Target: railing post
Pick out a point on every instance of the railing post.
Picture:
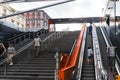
(57, 64)
(5, 70)
(19, 40)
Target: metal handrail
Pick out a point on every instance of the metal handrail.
(81, 56)
(22, 34)
(73, 46)
(108, 42)
(117, 67)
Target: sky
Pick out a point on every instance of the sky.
(74, 9)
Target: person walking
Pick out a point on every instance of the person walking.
(10, 53)
(89, 55)
(2, 51)
(37, 42)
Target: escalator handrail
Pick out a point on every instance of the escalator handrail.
(25, 47)
(108, 42)
(81, 56)
(99, 69)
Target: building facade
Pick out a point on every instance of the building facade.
(16, 22)
(36, 20)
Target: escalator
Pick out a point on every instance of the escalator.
(103, 48)
(88, 72)
(105, 61)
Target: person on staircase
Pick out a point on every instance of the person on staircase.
(37, 42)
(10, 53)
(2, 51)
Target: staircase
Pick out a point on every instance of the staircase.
(88, 72)
(65, 43)
(29, 67)
(34, 68)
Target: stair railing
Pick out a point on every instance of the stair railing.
(108, 43)
(99, 70)
(57, 64)
(45, 41)
(19, 39)
(48, 41)
(73, 47)
(53, 36)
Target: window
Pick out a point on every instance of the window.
(4, 12)
(18, 23)
(12, 20)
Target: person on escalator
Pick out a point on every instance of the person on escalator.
(89, 55)
(90, 29)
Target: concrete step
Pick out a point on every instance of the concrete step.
(28, 70)
(28, 73)
(30, 67)
(24, 77)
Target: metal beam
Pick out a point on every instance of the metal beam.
(19, 1)
(10, 1)
(36, 9)
(75, 20)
